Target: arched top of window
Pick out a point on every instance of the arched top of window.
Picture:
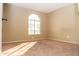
(33, 17)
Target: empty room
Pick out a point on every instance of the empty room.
(40, 29)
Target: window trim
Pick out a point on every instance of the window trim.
(38, 31)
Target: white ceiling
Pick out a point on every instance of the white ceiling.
(42, 7)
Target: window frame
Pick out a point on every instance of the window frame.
(36, 32)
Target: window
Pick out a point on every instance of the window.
(33, 24)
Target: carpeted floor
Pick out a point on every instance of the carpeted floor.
(41, 48)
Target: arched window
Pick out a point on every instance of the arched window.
(33, 24)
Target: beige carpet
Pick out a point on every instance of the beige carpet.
(41, 48)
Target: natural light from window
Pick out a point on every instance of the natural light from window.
(33, 24)
(19, 50)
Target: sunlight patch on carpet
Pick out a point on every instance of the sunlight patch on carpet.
(19, 49)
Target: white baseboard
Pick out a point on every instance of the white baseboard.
(23, 41)
(69, 42)
(13, 41)
(38, 40)
(65, 41)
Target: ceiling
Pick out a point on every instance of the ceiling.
(42, 7)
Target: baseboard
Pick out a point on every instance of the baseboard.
(22, 41)
(65, 41)
(14, 41)
(38, 40)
